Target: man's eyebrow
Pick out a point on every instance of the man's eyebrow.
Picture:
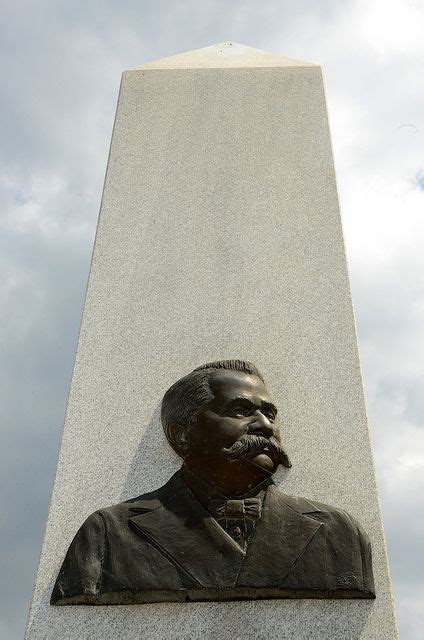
(239, 399)
(243, 399)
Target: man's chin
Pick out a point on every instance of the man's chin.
(264, 461)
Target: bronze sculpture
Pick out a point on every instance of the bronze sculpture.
(220, 529)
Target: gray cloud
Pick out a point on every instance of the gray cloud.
(61, 67)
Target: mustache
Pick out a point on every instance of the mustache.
(256, 444)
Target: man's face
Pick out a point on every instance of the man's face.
(241, 407)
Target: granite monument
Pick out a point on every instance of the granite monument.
(219, 236)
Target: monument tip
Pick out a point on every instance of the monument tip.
(223, 55)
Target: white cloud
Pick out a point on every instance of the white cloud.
(391, 26)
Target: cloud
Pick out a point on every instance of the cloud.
(62, 64)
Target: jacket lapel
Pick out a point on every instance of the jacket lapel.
(178, 526)
(281, 537)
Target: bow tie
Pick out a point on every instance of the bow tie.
(247, 508)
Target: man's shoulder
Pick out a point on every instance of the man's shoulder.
(328, 514)
(149, 501)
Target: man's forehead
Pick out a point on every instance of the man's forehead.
(228, 384)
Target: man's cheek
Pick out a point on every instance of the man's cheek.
(233, 429)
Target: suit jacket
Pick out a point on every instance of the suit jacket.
(165, 546)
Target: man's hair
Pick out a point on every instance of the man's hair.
(187, 397)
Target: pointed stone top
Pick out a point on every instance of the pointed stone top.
(224, 55)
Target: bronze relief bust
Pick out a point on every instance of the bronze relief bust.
(219, 529)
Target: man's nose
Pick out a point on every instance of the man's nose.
(261, 425)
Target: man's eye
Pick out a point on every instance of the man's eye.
(241, 411)
(270, 415)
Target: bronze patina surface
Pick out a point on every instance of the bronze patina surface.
(220, 529)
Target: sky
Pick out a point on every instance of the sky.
(62, 63)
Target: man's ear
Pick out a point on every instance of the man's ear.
(177, 434)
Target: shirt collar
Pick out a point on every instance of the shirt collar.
(205, 491)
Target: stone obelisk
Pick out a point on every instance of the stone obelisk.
(219, 237)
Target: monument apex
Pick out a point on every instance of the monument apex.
(223, 55)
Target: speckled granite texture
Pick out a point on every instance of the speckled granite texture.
(219, 237)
